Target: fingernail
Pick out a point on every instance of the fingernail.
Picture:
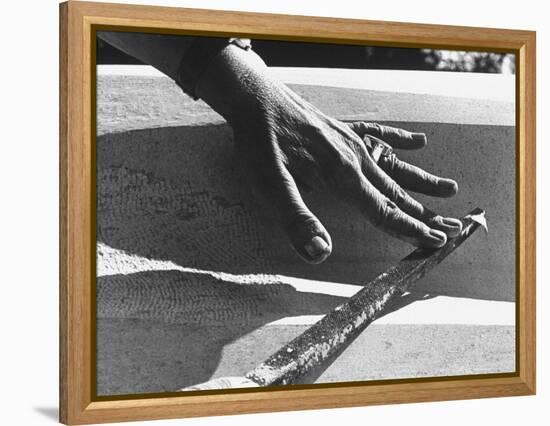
(419, 137)
(452, 222)
(448, 185)
(439, 238)
(316, 247)
(455, 226)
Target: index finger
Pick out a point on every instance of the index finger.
(396, 137)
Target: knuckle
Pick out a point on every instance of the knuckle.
(341, 162)
(429, 178)
(403, 134)
(316, 132)
(356, 126)
(313, 129)
(299, 220)
(301, 226)
(357, 148)
(384, 214)
(436, 220)
(390, 164)
(399, 196)
(347, 171)
(375, 128)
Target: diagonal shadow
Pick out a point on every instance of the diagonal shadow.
(164, 330)
(394, 305)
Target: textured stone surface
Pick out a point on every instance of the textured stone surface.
(169, 188)
(152, 356)
(176, 193)
(141, 102)
(324, 341)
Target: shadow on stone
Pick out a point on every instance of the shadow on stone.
(179, 194)
(164, 330)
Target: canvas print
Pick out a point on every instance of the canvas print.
(287, 213)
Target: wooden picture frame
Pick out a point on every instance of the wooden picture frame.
(78, 404)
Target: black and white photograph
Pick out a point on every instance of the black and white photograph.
(289, 213)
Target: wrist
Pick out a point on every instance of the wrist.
(197, 58)
(235, 83)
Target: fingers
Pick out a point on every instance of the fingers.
(386, 215)
(410, 206)
(451, 226)
(306, 233)
(416, 179)
(393, 175)
(408, 176)
(397, 138)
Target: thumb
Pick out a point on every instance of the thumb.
(306, 233)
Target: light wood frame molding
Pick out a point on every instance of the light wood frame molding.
(78, 405)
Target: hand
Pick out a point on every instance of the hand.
(285, 141)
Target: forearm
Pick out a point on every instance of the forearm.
(205, 67)
(237, 85)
